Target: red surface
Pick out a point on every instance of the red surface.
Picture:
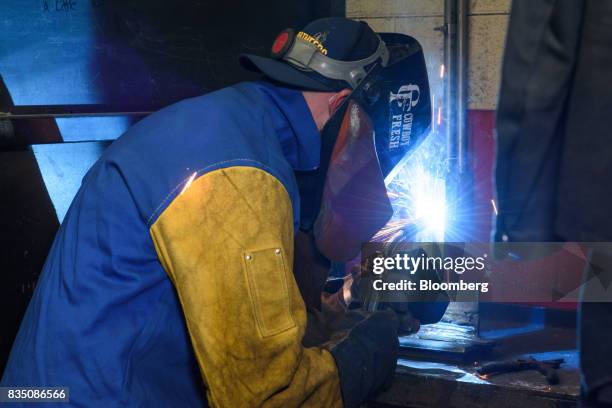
(481, 126)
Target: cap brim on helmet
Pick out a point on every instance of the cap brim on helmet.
(283, 72)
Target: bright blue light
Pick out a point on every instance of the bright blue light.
(430, 208)
(417, 188)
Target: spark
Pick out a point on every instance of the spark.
(433, 109)
(418, 197)
(430, 205)
(391, 230)
(417, 189)
(189, 181)
(494, 206)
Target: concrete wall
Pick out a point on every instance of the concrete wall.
(420, 18)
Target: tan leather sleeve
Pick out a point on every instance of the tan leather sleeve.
(226, 243)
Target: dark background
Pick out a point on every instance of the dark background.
(98, 66)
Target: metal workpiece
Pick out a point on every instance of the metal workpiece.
(459, 176)
(461, 84)
(455, 82)
(450, 61)
(440, 379)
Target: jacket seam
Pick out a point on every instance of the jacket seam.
(184, 180)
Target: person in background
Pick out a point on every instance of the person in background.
(554, 163)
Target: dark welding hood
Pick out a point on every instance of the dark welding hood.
(384, 119)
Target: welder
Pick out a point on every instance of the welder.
(170, 281)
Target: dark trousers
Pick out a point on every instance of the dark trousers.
(554, 153)
(595, 328)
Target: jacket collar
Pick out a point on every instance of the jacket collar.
(296, 129)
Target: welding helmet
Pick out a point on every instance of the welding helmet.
(387, 115)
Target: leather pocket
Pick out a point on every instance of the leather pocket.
(267, 277)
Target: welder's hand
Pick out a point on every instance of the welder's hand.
(350, 288)
(349, 295)
(407, 323)
(365, 354)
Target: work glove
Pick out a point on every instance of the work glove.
(365, 354)
(349, 297)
